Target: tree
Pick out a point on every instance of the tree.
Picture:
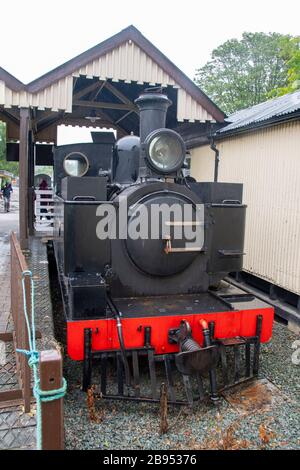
(12, 167)
(291, 55)
(243, 73)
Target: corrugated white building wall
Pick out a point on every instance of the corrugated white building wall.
(267, 162)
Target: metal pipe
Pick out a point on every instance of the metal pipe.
(87, 361)
(212, 373)
(217, 158)
(117, 315)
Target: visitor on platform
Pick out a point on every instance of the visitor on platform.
(6, 193)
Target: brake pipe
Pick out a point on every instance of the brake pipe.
(117, 315)
(212, 373)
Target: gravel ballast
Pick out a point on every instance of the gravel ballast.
(129, 425)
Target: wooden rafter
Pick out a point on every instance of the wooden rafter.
(123, 117)
(10, 115)
(120, 95)
(97, 91)
(57, 118)
(51, 118)
(104, 105)
(45, 115)
(93, 86)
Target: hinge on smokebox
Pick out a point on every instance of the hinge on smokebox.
(220, 360)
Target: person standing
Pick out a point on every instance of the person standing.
(6, 192)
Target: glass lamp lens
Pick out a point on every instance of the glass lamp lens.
(165, 152)
(75, 164)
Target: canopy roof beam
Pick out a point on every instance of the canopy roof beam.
(56, 118)
(120, 95)
(123, 117)
(105, 105)
(98, 91)
(93, 86)
(9, 115)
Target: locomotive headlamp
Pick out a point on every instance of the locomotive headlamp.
(165, 150)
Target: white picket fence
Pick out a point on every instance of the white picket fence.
(44, 209)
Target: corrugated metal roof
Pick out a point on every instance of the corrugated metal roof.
(261, 112)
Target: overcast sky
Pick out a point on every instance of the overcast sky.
(38, 35)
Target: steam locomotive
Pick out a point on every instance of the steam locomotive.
(141, 251)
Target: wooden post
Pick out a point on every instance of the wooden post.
(31, 164)
(23, 178)
(26, 371)
(52, 412)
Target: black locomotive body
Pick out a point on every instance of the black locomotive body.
(133, 285)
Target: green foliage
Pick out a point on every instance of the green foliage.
(243, 73)
(291, 55)
(12, 167)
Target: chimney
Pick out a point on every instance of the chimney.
(153, 107)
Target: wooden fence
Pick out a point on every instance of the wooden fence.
(20, 336)
(50, 362)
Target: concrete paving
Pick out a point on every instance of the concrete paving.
(9, 221)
